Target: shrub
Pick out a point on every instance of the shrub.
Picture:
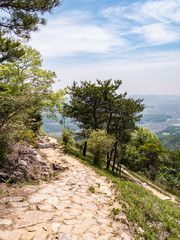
(99, 143)
(4, 150)
(67, 136)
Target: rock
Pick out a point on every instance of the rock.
(105, 237)
(32, 217)
(5, 221)
(72, 222)
(104, 221)
(78, 200)
(79, 229)
(11, 199)
(144, 185)
(89, 222)
(45, 207)
(37, 238)
(53, 200)
(126, 236)
(120, 217)
(22, 162)
(141, 230)
(31, 229)
(19, 204)
(68, 216)
(56, 166)
(166, 198)
(10, 235)
(55, 226)
(36, 198)
(88, 236)
(4, 176)
(25, 164)
(94, 229)
(90, 207)
(64, 236)
(4, 212)
(65, 228)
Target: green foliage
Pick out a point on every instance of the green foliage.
(169, 173)
(98, 106)
(67, 136)
(159, 219)
(10, 50)
(132, 158)
(145, 153)
(169, 177)
(25, 89)
(20, 18)
(171, 142)
(42, 132)
(170, 137)
(92, 189)
(24, 85)
(171, 130)
(151, 155)
(23, 16)
(85, 105)
(115, 211)
(142, 136)
(98, 144)
(4, 149)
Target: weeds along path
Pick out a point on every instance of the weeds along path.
(78, 205)
(155, 190)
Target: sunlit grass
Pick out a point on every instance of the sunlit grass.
(157, 218)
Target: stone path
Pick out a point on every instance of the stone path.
(64, 209)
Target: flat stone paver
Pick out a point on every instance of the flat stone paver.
(64, 209)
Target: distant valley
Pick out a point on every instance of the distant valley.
(161, 115)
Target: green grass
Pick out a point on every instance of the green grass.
(115, 211)
(159, 219)
(4, 192)
(92, 189)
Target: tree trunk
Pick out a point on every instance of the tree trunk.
(109, 158)
(85, 149)
(115, 153)
(108, 124)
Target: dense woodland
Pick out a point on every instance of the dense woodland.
(107, 123)
(107, 119)
(170, 137)
(25, 87)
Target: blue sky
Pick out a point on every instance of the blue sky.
(135, 41)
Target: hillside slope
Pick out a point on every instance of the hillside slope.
(78, 205)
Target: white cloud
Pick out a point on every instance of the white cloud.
(141, 24)
(67, 36)
(163, 10)
(127, 35)
(153, 21)
(157, 34)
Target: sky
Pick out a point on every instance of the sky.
(137, 42)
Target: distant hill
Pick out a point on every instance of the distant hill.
(155, 118)
(161, 112)
(170, 137)
(54, 127)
